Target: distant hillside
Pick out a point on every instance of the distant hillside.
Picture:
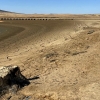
(4, 11)
(6, 14)
(1, 11)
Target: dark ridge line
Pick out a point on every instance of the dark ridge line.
(4, 11)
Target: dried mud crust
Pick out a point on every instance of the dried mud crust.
(68, 70)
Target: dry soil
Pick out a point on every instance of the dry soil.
(65, 55)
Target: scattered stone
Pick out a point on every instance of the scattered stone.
(8, 98)
(51, 55)
(27, 98)
(8, 58)
(90, 32)
(76, 53)
(66, 39)
(53, 60)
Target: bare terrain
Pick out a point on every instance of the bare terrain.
(64, 54)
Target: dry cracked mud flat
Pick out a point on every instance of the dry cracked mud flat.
(65, 55)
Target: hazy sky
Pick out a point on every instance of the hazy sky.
(51, 6)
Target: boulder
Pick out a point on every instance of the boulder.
(11, 79)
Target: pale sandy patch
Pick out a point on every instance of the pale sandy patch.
(1, 21)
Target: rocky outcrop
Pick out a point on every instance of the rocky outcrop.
(11, 79)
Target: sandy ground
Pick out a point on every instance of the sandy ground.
(65, 55)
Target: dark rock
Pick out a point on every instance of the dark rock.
(11, 79)
(90, 32)
(51, 55)
(27, 98)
